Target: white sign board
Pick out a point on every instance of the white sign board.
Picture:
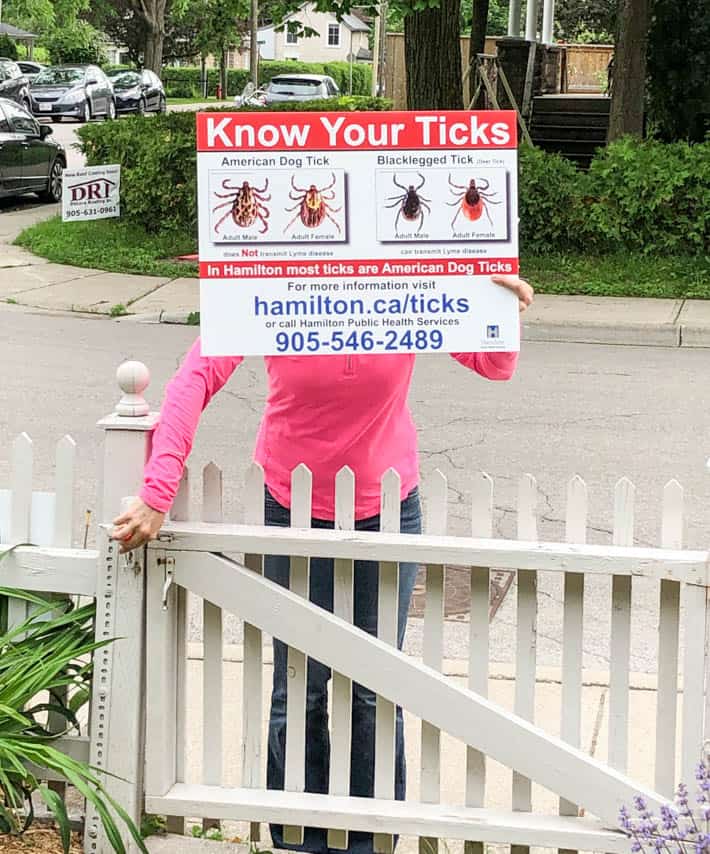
(357, 232)
(93, 192)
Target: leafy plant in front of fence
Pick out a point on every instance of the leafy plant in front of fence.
(40, 659)
(678, 829)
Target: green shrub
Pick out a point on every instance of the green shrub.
(550, 192)
(186, 82)
(650, 197)
(157, 156)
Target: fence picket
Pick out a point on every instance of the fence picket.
(430, 787)
(478, 645)
(342, 686)
(295, 779)
(668, 636)
(620, 631)
(387, 609)
(212, 678)
(20, 511)
(526, 646)
(179, 512)
(573, 631)
(63, 517)
(252, 688)
(64, 492)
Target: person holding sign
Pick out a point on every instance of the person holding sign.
(326, 412)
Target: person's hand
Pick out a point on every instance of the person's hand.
(137, 525)
(519, 287)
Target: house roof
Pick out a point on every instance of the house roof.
(352, 22)
(15, 32)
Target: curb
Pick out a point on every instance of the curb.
(625, 334)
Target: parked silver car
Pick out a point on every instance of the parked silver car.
(300, 87)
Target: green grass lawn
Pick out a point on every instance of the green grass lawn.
(116, 246)
(110, 244)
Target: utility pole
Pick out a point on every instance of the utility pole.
(376, 52)
(383, 49)
(254, 44)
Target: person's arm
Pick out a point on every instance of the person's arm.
(499, 365)
(186, 396)
(492, 366)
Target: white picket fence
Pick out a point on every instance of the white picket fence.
(185, 764)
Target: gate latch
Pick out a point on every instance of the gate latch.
(169, 565)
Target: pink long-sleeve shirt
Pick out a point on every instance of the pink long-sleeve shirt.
(324, 411)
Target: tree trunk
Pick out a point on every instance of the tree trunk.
(432, 52)
(223, 71)
(153, 13)
(629, 70)
(477, 44)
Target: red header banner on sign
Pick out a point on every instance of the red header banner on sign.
(388, 131)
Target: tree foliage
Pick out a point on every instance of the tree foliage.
(679, 69)
(589, 21)
(79, 43)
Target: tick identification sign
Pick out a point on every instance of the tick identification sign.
(357, 232)
(93, 192)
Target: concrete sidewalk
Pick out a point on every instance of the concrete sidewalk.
(30, 281)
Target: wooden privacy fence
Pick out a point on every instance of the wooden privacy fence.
(166, 725)
(585, 67)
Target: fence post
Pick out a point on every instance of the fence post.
(117, 711)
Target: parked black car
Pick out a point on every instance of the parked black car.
(80, 92)
(138, 92)
(30, 162)
(30, 68)
(13, 83)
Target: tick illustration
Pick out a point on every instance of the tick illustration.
(472, 201)
(410, 203)
(246, 205)
(313, 204)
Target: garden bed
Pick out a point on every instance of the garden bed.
(37, 840)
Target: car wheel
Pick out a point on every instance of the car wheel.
(86, 113)
(53, 193)
(141, 107)
(162, 105)
(111, 114)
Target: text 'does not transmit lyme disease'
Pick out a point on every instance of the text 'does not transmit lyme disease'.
(357, 232)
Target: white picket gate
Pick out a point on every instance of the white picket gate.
(148, 726)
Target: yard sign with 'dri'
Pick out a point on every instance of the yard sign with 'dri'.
(357, 232)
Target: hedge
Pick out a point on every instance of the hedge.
(185, 82)
(647, 197)
(157, 157)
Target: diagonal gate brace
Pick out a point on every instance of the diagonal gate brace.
(424, 692)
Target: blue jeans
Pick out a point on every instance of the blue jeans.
(362, 755)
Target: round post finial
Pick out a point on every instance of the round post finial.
(133, 379)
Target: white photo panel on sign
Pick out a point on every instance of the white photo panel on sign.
(278, 206)
(439, 205)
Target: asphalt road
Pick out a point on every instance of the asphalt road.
(597, 411)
